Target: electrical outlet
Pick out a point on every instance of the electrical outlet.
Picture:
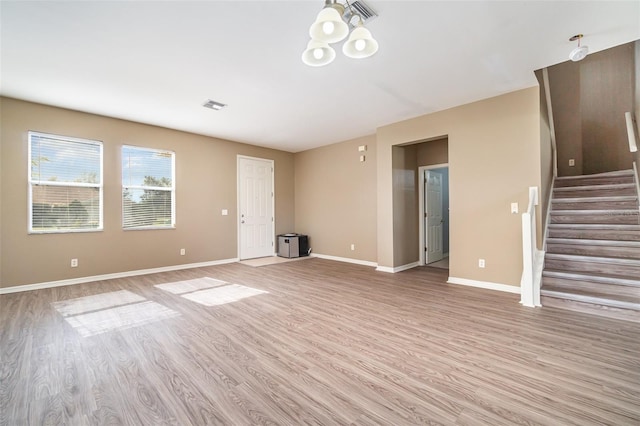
(74, 263)
(480, 263)
(353, 246)
(183, 252)
(572, 162)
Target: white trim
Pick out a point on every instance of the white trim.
(345, 259)
(82, 280)
(631, 131)
(31, 182)
(393, 270)
(484, 284)
(171, 189)
(547, 219)
(422, 243)
(273, 199)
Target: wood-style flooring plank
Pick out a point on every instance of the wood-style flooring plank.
(328, 344)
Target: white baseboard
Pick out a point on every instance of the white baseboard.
(82, 280)
(401, 268)
(344, 259)
(484, 284)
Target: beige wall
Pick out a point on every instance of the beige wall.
(433, 152)
(335, 199)
(206, 184)
(494, 157)
(405, 205)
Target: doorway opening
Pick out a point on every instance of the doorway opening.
(433, 204)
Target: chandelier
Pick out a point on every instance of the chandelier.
(331, 26)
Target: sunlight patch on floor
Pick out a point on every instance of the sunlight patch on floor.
(118, 310)
(210, 291)
(96, 302)
(182, 287)
(222, 295)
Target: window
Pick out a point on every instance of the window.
(148, 188)
(65, 184)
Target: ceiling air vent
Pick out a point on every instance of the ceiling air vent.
(213, 105)
(363, 10)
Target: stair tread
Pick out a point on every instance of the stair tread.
(594, 187)
(630, 212)
(615, 173)
(616, 300)
(595, 226)
(607, 243)
(587, 242)
(592, 259)
(591, 277)
(595, 199)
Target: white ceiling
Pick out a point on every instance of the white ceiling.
(157, 62)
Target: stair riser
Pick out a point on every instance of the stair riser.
(595, 277)
(595, 234)
(612, 218)
(631, 271)
(604, 311)
(595, 205)
(569, 285)
(563, 183)
(600, 251)
(586, 193)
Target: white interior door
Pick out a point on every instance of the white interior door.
(433, 217)
(255, 208)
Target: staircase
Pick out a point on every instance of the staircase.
(592, 260)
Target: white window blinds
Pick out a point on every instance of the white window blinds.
(148, 188)
(65, 184)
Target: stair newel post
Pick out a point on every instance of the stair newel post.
(529, 294)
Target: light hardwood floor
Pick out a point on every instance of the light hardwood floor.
(322, 343)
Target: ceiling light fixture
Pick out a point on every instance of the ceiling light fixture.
(332, 25)
(214, 105)
(580, 52)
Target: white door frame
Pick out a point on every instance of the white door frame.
(273, 201)
(421, 230)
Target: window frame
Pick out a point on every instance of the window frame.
(34, 182)
(171, 190)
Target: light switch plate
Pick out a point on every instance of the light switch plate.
(514, 208)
